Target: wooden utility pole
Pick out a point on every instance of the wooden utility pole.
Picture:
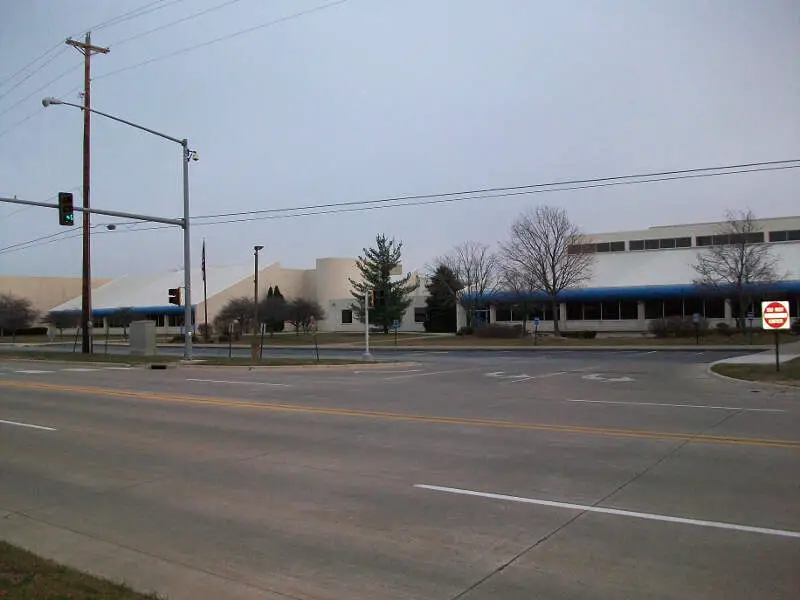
(87, 50)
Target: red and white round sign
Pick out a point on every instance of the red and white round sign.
(775, 314)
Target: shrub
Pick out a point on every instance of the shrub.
(579, 335)
(724, 329)
(498, 331)
(178, 339)
(677, 327)
(465, 331)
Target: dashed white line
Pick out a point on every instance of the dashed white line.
(81, 369)
(425, 374)
(32, 371)
(389, 371)
(240, 382)
(28, 425)
(615, 511)
(528, 378)
(731, 408)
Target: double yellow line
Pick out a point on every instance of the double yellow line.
(344, 412)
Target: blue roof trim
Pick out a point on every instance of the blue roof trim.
(169, 309)
(648, 292)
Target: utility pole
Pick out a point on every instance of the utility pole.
(87, 50)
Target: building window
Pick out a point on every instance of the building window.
(175, 320)
(629, 310)
(420, 314)
(705, 240)
(502, 313)
(636, 245)
(714, 308)
(683, 242)
(574, 311)
(347, 316)
(544, 312)
(603, 247)
(617, 246)
(651, 245)
(653, 309)
(692, 305)
(666, 243)
(673, 308)
(598, 247)
(592, 311)
(610, 311)
(785, 236)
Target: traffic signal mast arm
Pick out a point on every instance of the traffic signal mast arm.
(99, 211)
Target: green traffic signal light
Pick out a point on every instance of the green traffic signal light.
(65, 211)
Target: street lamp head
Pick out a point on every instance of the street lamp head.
(257, 248)
(50, 100)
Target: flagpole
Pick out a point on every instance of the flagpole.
(205, 294)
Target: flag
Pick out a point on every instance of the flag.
(204, 260)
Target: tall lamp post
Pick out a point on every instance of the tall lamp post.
(187, 156)
(256, 324)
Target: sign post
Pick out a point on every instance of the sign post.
(312, 323)
(395, 326)
(750, 317)
(536, 322)
(696, 320)
(774, 317)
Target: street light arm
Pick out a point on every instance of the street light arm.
(48, 101)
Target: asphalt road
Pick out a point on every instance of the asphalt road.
(575, 475)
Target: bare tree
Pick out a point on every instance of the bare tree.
(737, 259)
(15, 313)
(476, 267)
(64, 319)
(300, 312)
(550, 251)
(521, 287)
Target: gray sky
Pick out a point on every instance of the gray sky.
(379, 98)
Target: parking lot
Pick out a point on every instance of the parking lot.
(450, 475)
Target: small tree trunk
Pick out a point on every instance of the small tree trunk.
(556, 329)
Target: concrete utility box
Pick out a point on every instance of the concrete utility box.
(143, 338)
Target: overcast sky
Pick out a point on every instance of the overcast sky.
(378, 98)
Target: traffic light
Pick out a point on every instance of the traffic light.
(65, 215)
(175, 296)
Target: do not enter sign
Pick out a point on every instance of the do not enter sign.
(775, 315)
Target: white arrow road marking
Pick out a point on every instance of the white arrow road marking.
(598, 377)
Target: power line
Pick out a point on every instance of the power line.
(39, 89)
(38, 111)
(134, 13)
(32, 73)
(176, 22)
(729, 169)
(221, 38)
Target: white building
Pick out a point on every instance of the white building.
(638, 276)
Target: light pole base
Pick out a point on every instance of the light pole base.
(367, 356)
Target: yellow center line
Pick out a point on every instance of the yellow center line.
(345, 412)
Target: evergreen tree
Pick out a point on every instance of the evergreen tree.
(441, 302)
(277, 292)
(270, 293)
(376, 266)
(272, 310)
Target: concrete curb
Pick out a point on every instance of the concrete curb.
(751, 382)
(310, 367)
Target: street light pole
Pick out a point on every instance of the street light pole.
(256, 324)
(187, 155)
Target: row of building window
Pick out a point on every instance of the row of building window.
(755, 237)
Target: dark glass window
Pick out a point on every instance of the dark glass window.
(651, 244)
(667, 243)
(714, 308)
(502, 313)
(673, 308)
(610, 311)
(636, 245)
(603, 247)
(617, 246)
(347, 316)
(653, 309)
(629, 309)
(574, 311)
(683, 242)
(793, 236)
(592, 311)
(778, 236)
(705, 240)
(420, 315)
(692, 305)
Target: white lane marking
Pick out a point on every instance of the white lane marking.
(32, 371)
(699, 354)
(615, 511)
(425, 374)
(390, 371)
(598, 377)
(651, 352)
(29, 425)
(774, 410)
(528, 378)
(240, 382)
(118, 368)
(80, 369)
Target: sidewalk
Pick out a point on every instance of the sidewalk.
(767, 357)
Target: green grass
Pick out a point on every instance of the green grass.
(278, 362)
(25, 576)
(632, 340)
(789, 373)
